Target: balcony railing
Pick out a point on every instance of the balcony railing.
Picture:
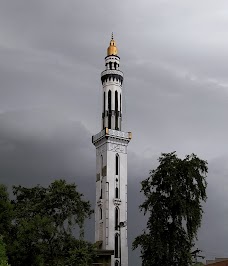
(112, 132)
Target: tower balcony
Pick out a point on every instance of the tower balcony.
(111, 74)
(111, 71)
(105, 133)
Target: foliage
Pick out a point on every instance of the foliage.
(3, 257)
(81, 253)
(6, 214)
(44, 224)
(6, 211)
(174, 192)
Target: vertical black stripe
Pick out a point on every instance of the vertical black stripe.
(116, 110)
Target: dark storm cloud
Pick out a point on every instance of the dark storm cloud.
(38, 145)
(213, 235)
(174, 57)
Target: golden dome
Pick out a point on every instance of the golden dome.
(112, 49)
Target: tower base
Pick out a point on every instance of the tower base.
(103, 257)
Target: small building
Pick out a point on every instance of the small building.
(103, 258)
(218, 262)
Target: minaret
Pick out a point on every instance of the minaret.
(111, 165)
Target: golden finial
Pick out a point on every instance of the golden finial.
(112, 49)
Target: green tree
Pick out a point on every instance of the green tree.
(3, 257)
(6, 216)
(174, 192)
(45, 223)
(6, 211)
(81, 253)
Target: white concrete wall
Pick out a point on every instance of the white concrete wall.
(108, 150)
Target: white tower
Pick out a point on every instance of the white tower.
(111, 165)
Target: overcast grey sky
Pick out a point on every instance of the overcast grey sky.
(174, 56)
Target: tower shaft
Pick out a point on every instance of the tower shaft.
(111, 165)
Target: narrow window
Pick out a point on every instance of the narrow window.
(100, 213)
(117, 164)
(109, 108)
(101, 190)
(101, 174)
(116, 246)
(101, 194)
(101, 165)
(120, 112)
(116, 101)
(117, 193)
(104, 102)
(110, 65)
(104, 112)
(116, 218)
(109, 100)
(115, 65)
(116, 110)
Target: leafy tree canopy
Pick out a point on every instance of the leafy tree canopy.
(43, 225)
(3, 257)
(6, 210)
(174, 192)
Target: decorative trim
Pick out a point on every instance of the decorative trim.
(111, 72)
(111, 56)
(100, 202)
(110, 133)
(117, 202)
(130, 135)
(98, 135)
(112, 77)
(117, 147)
(118, 133)
(102, 149)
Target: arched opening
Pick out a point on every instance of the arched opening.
(117, 193)
(117, 164)
(116, 218)
(117, 263)
(116, 246)
(115, 65)
(116, 110)
(110, 65)
(109, 108)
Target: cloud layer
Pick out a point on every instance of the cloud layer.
(174, 57)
